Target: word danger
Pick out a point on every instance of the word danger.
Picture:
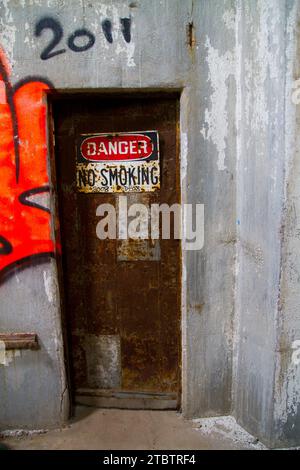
(117, 148)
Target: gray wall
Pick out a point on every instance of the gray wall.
(33, 391)
(266, 382)
(238, 136)
(260, 170)
(287, 373)
(210, 180)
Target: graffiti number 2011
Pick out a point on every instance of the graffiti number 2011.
(55, 26)
(72, 42)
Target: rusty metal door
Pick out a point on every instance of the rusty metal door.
(122, 297)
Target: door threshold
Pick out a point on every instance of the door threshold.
(120, 399)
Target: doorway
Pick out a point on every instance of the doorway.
(122, 297)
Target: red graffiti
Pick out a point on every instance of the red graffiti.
(24, 222)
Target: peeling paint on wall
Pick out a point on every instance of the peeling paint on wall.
(229, 19)
(49, 286)
(287, 382)
(7, 357)
(183, 155)
(287, 376)
(215, 128)
(263, 65)
(8, 30)
(2, 352)
(126, 49)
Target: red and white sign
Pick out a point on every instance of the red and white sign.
(116, 148)
(118, 162)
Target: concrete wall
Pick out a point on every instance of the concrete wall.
(210, 179)
(159, 56)
(287, 373)
(33, 391)
(259, 208)
(266, 382)
(235, 73)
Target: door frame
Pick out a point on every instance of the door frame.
(181, 160)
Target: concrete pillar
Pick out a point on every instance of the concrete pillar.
(266, 380)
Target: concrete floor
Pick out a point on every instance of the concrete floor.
(131, 429)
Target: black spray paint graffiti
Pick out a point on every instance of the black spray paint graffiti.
(72, 43)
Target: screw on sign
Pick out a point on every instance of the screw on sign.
(24, 223)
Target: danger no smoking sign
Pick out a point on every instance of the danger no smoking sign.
(118, 162)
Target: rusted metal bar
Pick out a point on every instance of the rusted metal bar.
(19, 340)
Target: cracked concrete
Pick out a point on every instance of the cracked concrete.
(131, 429)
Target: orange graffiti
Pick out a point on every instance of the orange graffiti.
(24, 222)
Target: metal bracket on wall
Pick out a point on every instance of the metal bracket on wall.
(19, 340)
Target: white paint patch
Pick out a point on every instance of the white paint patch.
(296, 353)
(183, 174)
(287, 385)
(290, 115)
(122, 48)
(37, 3)
(11, 355)
(184, 119)
(287, 388)
(6, 357)
(29, 38)
(2, 353)
(296, 93)
(238, 68)
(262, 66)
(21, 432)
(215, 129)
(129, 51)
(183, 155)
(49, 285)
(7, 31)
(229, 19)
(227, 427)
(53, 3)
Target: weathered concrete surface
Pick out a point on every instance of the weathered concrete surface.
(239, 157)
(287, 374)
(33, 391)
(159, 56)
(210, 178)
(139, 430)
(266, 382)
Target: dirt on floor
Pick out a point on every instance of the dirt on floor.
(107, 429)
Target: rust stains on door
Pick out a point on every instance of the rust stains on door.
(122, 297)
